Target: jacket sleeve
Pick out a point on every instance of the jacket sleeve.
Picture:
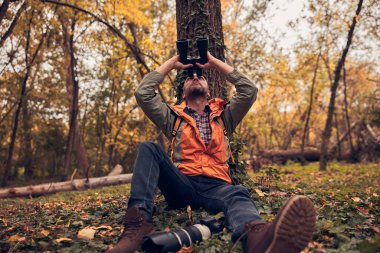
(241, 102)
(152, 105)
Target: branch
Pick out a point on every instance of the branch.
(13, 24)
(3, 9)
(135, 50)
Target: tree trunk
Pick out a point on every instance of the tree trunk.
(344, 136)
(346, 110)
(75, 142)
(327, 130)
(337, 136)
(75, 184)
(27, 139)
(28, 64)
(310, 108)
(202, 19)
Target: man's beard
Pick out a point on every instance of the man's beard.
(196, 91)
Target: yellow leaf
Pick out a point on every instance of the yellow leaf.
(357, 199)
(13, 238)
(259, 192)
(86, 233)
(63, 239)
(45, 232)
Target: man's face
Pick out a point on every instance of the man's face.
(195, 87)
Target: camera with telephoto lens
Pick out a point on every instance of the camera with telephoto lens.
(173, 241)
(202, 45)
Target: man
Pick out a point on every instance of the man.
(197, 175)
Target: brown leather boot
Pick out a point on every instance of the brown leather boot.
(290, 232)
(135, 228)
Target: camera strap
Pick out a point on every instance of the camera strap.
(221, 123)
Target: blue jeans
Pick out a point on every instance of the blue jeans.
(154, 168)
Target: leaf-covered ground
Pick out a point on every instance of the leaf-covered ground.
(346, 198)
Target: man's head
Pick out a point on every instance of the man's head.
(196, 87)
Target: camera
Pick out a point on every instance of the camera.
(173, 241)
(183, 47)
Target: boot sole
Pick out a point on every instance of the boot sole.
(295, 226)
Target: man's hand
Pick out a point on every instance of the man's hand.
(172, 63)
(214, 63)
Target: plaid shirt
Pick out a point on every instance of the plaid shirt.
(202, 122)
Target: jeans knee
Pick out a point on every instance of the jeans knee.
(240, 191)
(148, 145)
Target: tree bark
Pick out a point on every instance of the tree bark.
(346, 110)
(75, 184)
(202, 19)
(338, 143)
(75, 142)
(310, 108)
(27, 139)
(327, 130)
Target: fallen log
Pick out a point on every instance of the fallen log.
(75, 184)
(281, 156)
(116, 170)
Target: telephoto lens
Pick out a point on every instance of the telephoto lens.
(173, 241)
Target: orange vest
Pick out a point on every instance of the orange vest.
(190, 154)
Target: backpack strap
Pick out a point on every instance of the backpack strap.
(177, 122)
(221, 123)
(176, 126)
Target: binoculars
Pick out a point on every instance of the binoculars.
(202, 45)
(173, 241)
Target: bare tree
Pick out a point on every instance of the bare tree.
(28, 65)
(306, 128)
(75, 143)
(327, 130)
(346, 111)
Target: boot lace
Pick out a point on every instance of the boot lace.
(250, 227)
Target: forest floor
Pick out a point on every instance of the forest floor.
(347, 199)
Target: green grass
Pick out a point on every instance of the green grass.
(346, 198)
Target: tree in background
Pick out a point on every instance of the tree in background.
(327, 131)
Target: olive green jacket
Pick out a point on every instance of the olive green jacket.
(163, 116)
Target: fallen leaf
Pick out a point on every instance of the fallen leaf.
(86, 233)
(259, 192)
(45, 232)
(14, 238)
(375, 194)
(362, 210)
(278, 194)
(376, 229)
(63, 239)
(356, 199)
